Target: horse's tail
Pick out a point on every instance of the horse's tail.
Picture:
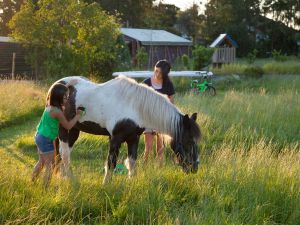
(57, 156)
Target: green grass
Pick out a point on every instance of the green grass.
(249, 170)
(20, 100)
(269, 66)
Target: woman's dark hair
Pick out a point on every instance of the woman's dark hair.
(56, 95)
(165, 67)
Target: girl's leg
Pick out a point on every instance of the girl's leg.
(159, 148)
(148, 145)
(37, 168)
(48, 158)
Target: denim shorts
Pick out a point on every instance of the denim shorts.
(44, 144)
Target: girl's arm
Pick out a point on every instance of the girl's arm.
(171, 98)
(63, 121)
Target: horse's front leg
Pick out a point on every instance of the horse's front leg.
(67, 140)
(130, 162)
(114, 147)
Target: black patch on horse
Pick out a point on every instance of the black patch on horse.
(92, 128)
(127, 128)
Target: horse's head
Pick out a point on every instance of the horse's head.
(185, 146)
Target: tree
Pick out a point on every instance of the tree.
(131, 13)
(9, 8)
(162, 16)
(235, 17)
(286, 11)
(190, 22)
(202, 57)
(72, 37)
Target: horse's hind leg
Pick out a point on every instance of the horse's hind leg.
(114, 147)
(67, 140)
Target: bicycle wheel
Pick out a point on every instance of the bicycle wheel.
(211, 91)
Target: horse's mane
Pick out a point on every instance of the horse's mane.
(155, 109)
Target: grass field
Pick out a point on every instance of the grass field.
(249, 172)
(269, 67)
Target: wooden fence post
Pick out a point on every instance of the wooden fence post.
(13, 66)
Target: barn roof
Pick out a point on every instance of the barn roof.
(223, 38)
(155, 37)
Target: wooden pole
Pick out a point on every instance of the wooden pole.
(13, 66)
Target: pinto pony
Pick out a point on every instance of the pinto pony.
(121, 109)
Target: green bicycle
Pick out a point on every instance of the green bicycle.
(203, 86)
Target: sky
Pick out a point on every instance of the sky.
(184, 4)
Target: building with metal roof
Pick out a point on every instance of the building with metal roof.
(159, 44)
(225, 50)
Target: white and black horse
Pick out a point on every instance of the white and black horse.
(121, 108)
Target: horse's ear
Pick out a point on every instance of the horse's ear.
(186, 120)
(194, 116)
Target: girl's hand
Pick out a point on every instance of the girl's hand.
(80, 110)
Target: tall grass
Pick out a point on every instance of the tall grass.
(249, 168)
(233, 186)
(282, 67)
(19, 101)
(247, 116)
(269, 66)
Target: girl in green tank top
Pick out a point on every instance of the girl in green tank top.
(48, 127)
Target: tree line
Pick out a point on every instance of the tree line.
(86, 30)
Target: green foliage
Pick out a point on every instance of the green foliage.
(251, 56)
(285, 11)
(132, 13)
(123, 60)
(142, 58)
(8, 9)
(278, 56)
(75, 37)
(161, 16)
(189, 23)
(202, 56)
(185, 61)
(254, 72)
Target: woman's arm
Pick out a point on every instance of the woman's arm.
(63, 121)
(171, 98)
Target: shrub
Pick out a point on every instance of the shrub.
(254, 72)
(185, 61)
(252, 56)
(142, 57)
(123, 60)
(278, 56)
(202, 56)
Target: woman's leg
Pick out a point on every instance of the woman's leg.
(48, 158)
(148, 145)
(37, 168)
(159, 148)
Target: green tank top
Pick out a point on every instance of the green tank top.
(48, 126)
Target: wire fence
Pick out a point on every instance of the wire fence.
(13, 63)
